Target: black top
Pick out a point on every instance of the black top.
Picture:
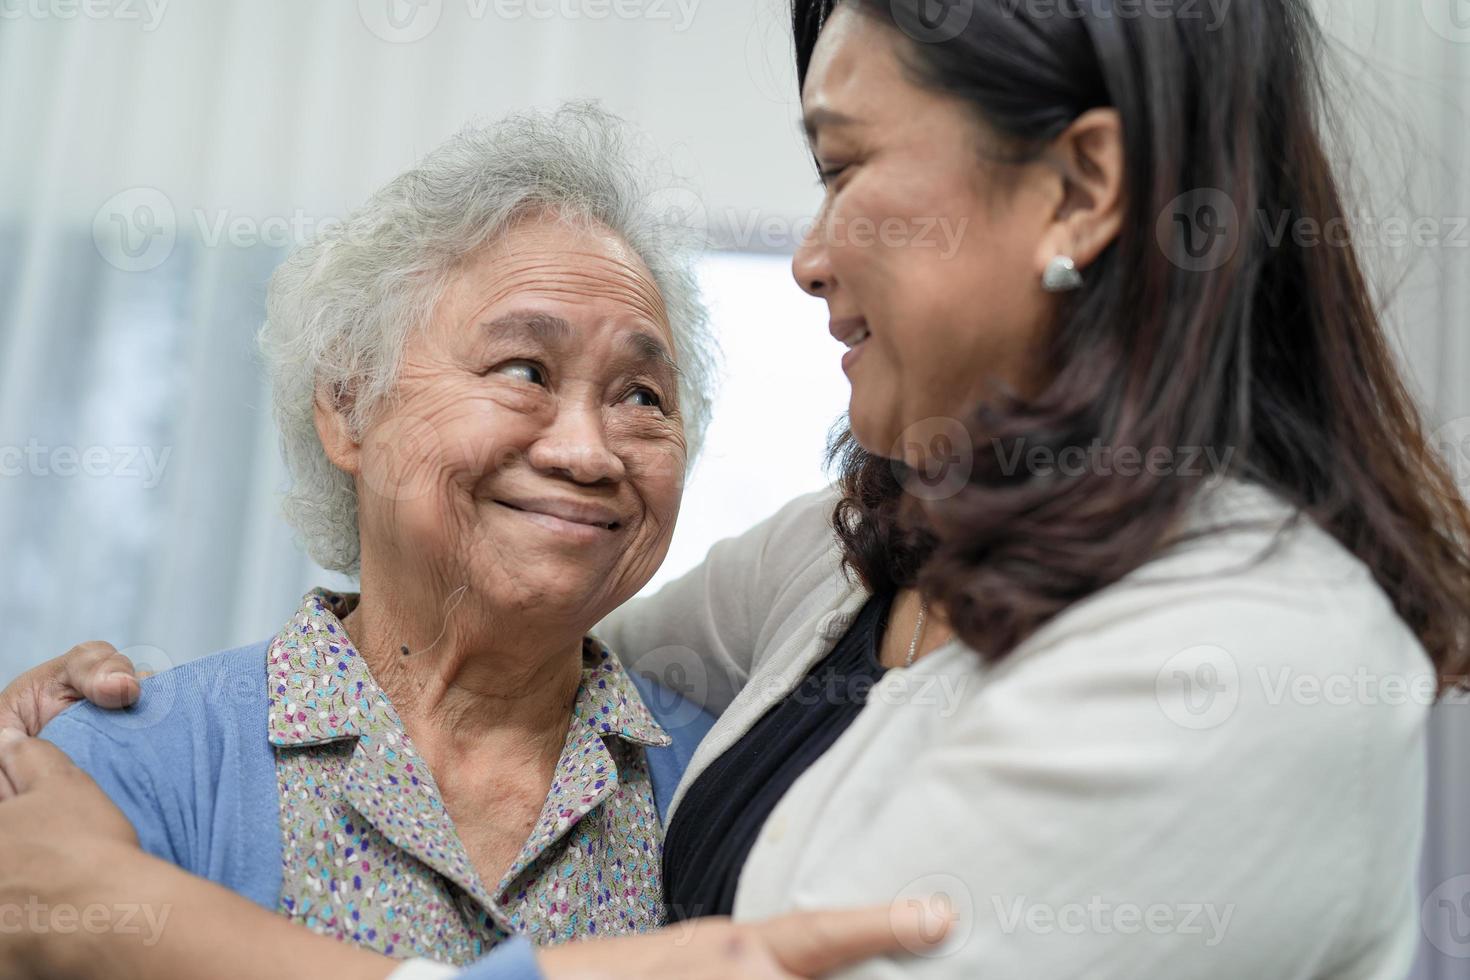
(724, 809)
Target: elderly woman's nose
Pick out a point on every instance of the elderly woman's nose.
(576, 448)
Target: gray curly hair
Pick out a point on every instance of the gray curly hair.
(341, 307)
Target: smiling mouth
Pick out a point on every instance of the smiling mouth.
(851, 332)
(563, 514)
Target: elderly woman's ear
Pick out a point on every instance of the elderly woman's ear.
(330, 408)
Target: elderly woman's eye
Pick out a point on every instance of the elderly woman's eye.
(645, 397)
(525, 370)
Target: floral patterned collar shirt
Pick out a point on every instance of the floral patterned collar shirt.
(371, 856)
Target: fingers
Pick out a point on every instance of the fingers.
(12, 710)
(814, 943)
(8, 737)
(94, 671)
(55, 796)
(28, 762)
(97, 672)
(20, 702)
(922, 926)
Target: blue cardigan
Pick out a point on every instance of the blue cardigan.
(191, 767)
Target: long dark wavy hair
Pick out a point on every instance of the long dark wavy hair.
(1273, 356)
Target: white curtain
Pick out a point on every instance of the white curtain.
(156, 162)
(156, 159)
(1406, 69)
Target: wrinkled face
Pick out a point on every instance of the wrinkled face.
(535, 450)
(925, 258)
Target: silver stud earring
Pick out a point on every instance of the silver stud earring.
(1061, 275)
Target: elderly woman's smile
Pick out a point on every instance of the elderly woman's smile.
(568, 516)
(533, 448)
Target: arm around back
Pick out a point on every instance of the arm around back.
(191, 768)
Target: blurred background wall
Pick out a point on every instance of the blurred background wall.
(157, 158)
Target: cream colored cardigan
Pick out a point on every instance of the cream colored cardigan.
(1215, 768)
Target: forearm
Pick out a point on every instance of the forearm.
(161, 922)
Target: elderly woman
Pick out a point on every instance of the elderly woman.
(488, 384)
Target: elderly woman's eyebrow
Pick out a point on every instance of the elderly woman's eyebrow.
(542, 328)
(645, 349)
(650, 351)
